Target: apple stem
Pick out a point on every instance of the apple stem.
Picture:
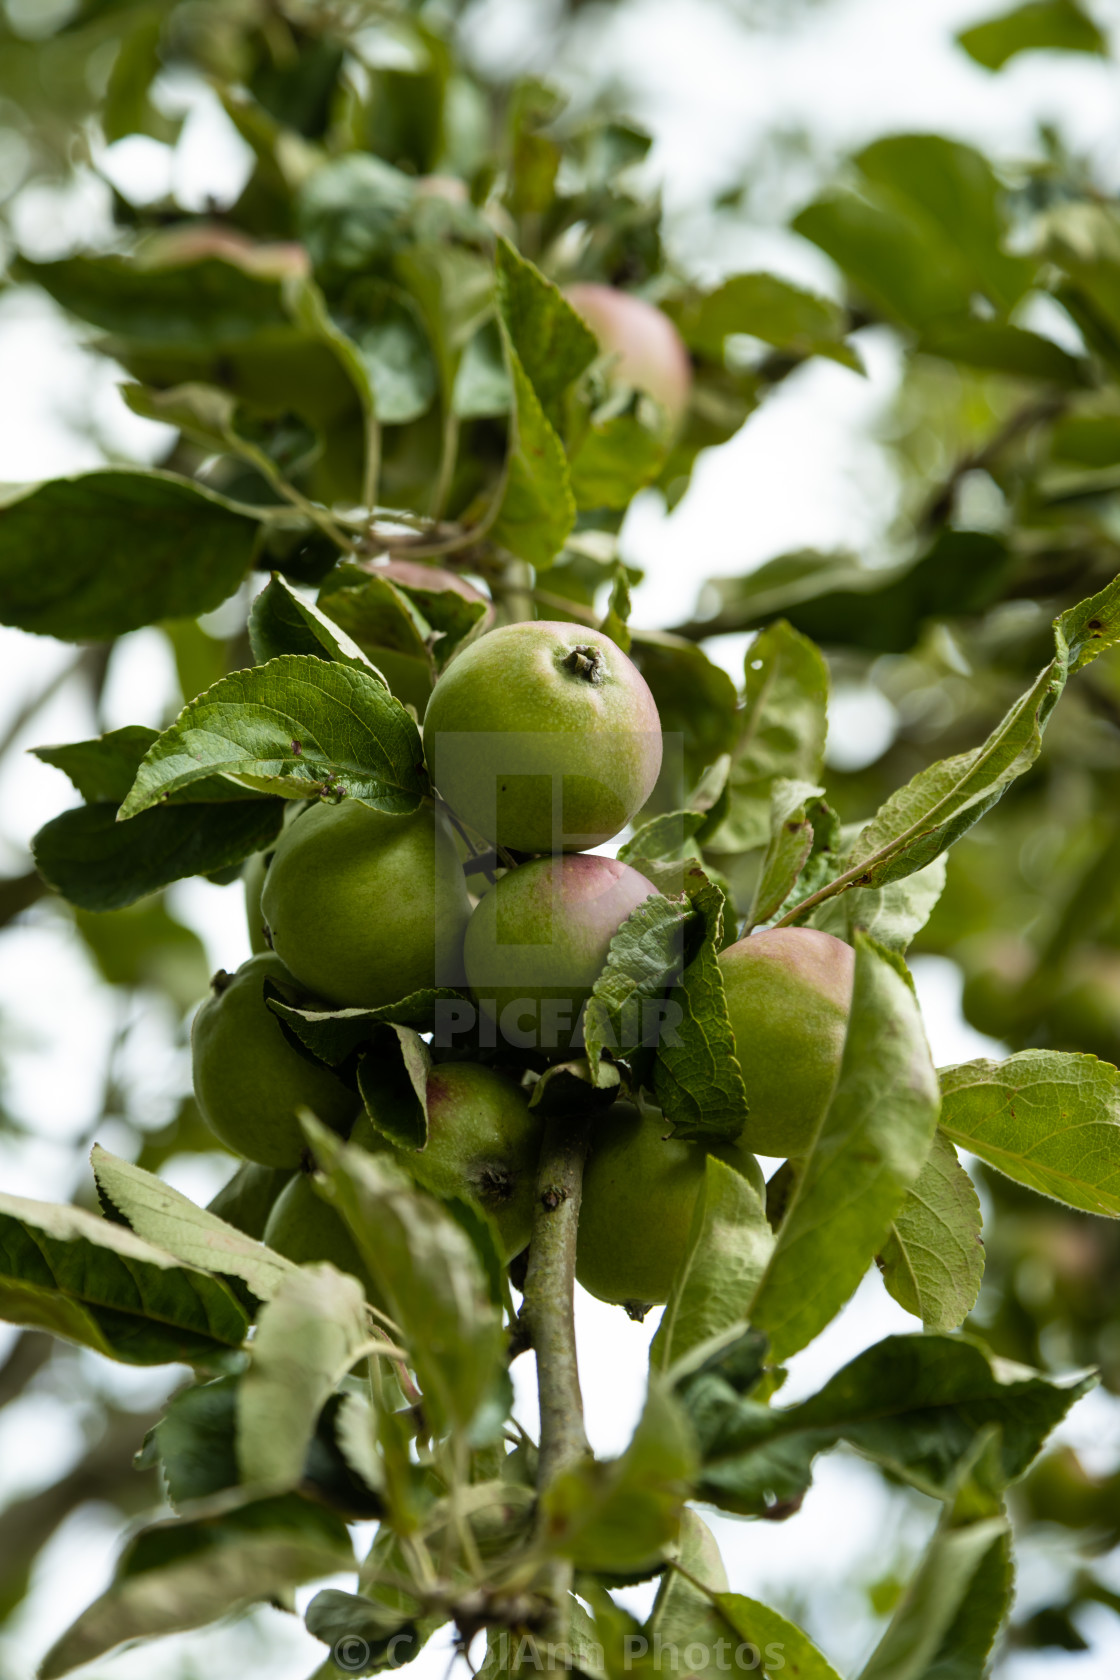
(549, 1296)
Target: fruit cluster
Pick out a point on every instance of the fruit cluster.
(542, 741)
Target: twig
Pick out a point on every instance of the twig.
(1036, 412)
(37, 701)
(549, 1301)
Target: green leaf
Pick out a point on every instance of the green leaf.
(1039, 26)
(99, 864)
(997, 347)
(281, 621)
(386, 327)
(551, 341)
(781, 732)
(332, 1035)
(165, 1217)
(869, 1149)
(616, 623)
(393, 1082)
(622, 1515)
(729, 1246)
(697, 1078)
(1047, 1119)
(766, 307)
(917, 1405)
(347, 1621)
(892, 915)
(933, 1260)
(195, 1441)
(352, 211)
(87, 558)
(128, 109)
(482, 387)
(774, 1636)
(836, 601)
(696, 700)
(926, 234)
(537, 508)
(942, 802)
(948, 1618)
(449, 615)
(680, 1607)
(374, 612)
(102, 770)
(225, 1554)
(426, 1268)
(615, 456)
(298, 726)
(95, 1283)
(644, 957)
(951, 189)
(791, 841)
(308, 1337)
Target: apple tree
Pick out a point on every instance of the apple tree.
(416, 373)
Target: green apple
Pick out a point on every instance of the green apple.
(647, 352)
(543, 737)
(789, 994)
(304, 1228)
(365, 908)
(252, 880)
(482, 1144)
(639, 1193)
(247, 1199)
(539, 939)
(249, 1080)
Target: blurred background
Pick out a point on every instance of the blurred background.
(753, 106)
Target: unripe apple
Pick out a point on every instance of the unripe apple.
(365, 908)
(648, 351)
(252, 881)
(248, 1079)
(789, 994)
(639, 1193)
(304, 1228)
(482, 1145)
(543, 737)
(539, 939)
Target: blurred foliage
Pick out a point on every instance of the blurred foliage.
(335, 325)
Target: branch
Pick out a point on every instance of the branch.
(549, 1304)
(1038, 411)
(105, 1473)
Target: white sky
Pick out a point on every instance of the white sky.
(807, 470)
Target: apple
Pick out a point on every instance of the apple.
(249, 1080)
(482, 1145)
(648, 353)
(365, 908)
(252, 880)
(539, 939)
(304, 1228)
(543, 737)
(639, 1194)
(789, 994)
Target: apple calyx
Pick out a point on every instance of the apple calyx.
(585, 661)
